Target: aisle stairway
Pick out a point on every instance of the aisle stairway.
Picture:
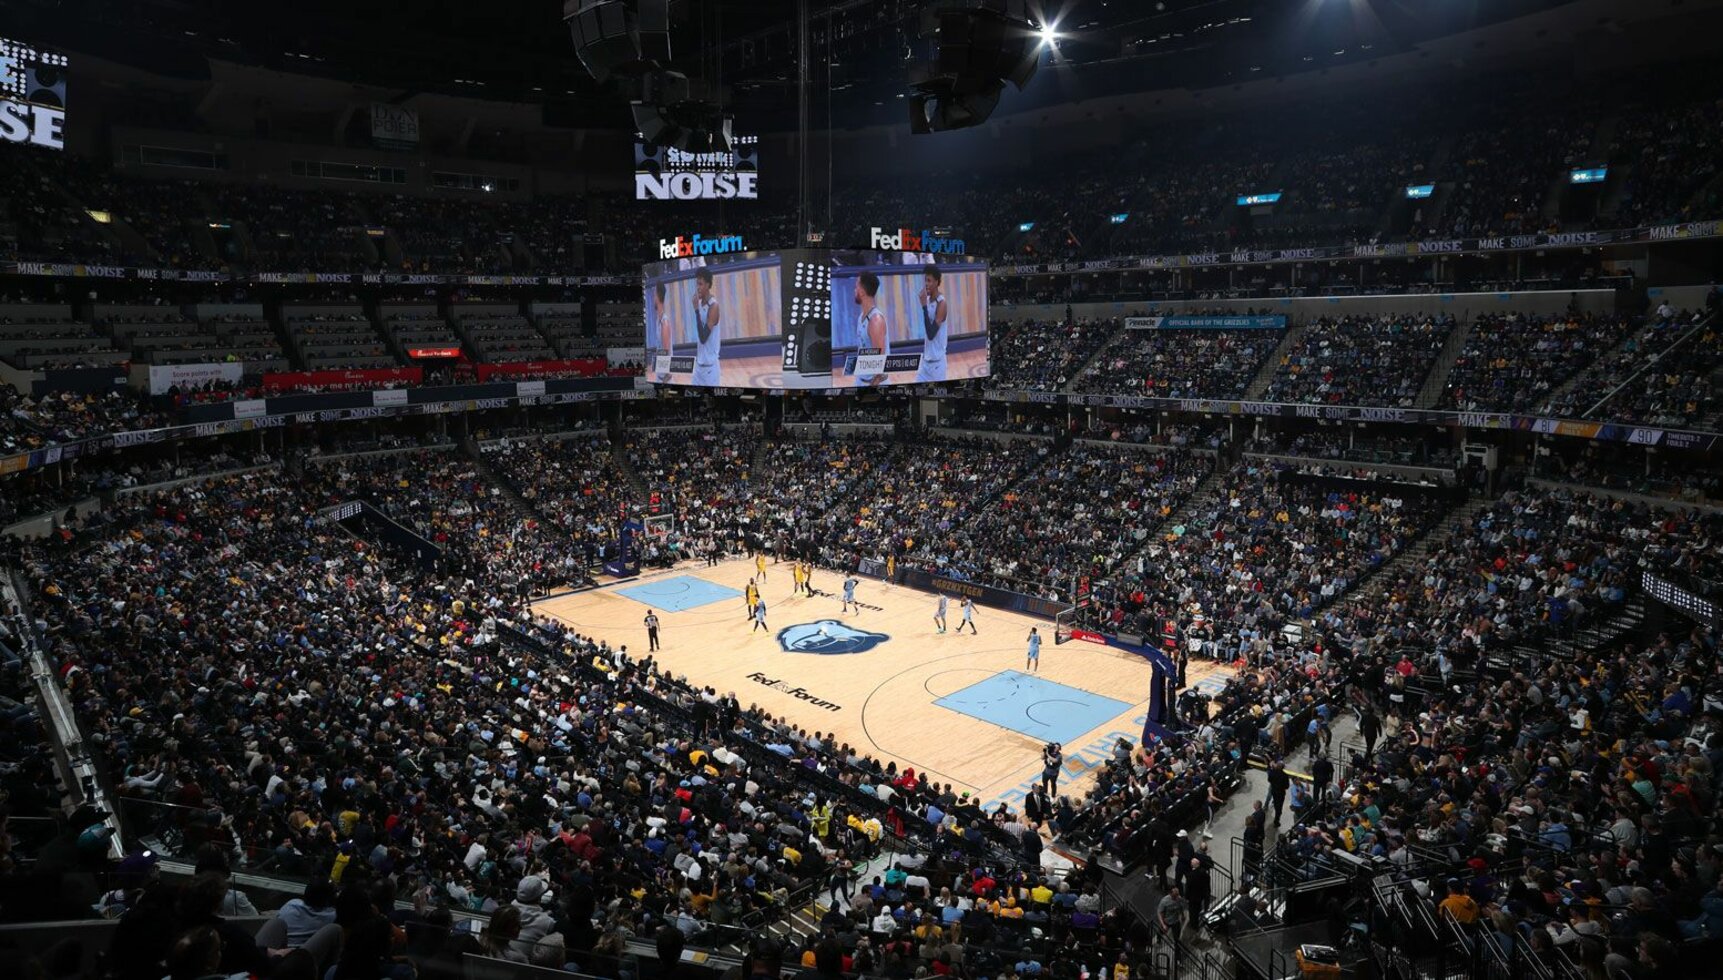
(1265, 374)
(624, 466)
(1118, 332)
(1436, 381)
(1414, 556)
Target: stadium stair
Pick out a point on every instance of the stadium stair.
(1265, 374)
(470, 447)
(619, 453)
(277, 320)
(1672, 351)
(1102, 350)
(1180, 516)
(1437, 381)
(1613, 356)
(1414, 556)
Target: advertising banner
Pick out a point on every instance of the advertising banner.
(394, 127)
(1276, 321)
(289, 380)
(165, 376)
(583, 366)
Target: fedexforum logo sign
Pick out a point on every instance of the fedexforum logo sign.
(685, 246)
(910, 240)
(800, 694)
(664, 173)
(32, 96)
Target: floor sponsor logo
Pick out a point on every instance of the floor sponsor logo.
(828, 636)
(799, 693)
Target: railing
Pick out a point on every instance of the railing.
(79, 765)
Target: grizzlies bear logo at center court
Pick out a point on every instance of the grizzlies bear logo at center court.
(828, 636)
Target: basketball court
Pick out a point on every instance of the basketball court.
(959, 708)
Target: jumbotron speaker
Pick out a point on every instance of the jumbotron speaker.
(979, 46)
(626, 36)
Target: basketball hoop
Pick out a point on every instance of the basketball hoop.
(1062, 625)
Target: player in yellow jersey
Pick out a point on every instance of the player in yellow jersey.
(796, 574)
(753, 597)
(760, 565)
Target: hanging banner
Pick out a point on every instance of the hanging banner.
(394, 127)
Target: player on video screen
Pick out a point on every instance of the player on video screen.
(873, 338)
(933, 325)
(706, 318)
(658, 344)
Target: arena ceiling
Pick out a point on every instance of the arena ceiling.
(520, 51)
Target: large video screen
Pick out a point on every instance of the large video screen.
(907, 318)
(815, 319)
(715, 321)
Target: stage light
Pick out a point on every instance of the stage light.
(1049, 34)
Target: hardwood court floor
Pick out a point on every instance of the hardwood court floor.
(959, 708)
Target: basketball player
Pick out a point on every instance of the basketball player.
(760, 564)
(850, 595)
(706, 319)
(1034, 664)
(939, 614)
(933, 326)
(808, 578)
(752, 594)
(760, 617)
(659, 343)
(799, 576)
(873, 337)
(968, 617)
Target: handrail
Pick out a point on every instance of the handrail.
(1648, 365)
(79, 769)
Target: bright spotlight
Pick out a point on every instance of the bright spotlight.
(1049, 34)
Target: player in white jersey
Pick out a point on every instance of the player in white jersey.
(658, 341)
(939, 615)
(933, 327)
(873, 337)
(706, 319)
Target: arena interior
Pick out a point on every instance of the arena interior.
(977, 489)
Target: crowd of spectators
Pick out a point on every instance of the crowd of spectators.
(1041, 538)
(1361, 361)
(1033, 355)
(360, 716)
(1180, 363)
(1512, 363)
(444, 497)
(413, 734)
(569, 479)
(1651, 379)
(28, 423)
(1268, 545)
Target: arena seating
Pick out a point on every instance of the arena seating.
(1264, 547)
(297, 230)
(1039, 538)
(266, 689)
(417, 326)
(335, 338)
(571, 481)
(498, 335)
(1361, 361)
(1040, 356)
(1180, 363)
(1514, 363)
(1660, 375)
(42, 336)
